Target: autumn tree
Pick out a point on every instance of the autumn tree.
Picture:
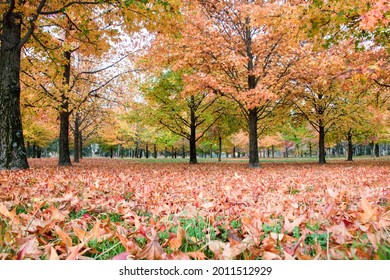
(187, 114)
(239, 49)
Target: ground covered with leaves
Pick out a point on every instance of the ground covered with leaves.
(121, 209)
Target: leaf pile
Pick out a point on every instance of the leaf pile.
(118, 209)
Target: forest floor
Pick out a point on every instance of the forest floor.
(139, 209)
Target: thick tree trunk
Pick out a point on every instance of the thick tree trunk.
(321, 145)
(64, 151)
(76, 156)
(253, 147)
(273, 151)
(111, 152)
(350, 146)
(147, 151)
(234, 152)
(193, 159)
(12, 150)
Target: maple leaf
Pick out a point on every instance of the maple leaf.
(176, 242)
(51, 252)
(65, 239)
(152, 250)
(369, 212)
(290, 226)
(30, 250)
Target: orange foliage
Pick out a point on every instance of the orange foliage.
(344, 201)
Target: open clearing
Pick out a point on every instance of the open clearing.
(123, 209)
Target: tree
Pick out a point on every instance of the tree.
(321, 98)
(187, 114)
(22, 21)
(239, 49)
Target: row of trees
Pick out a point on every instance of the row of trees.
(212, 69)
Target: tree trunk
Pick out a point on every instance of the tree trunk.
(183, 151)
(220, 148)
(321, 145)
(234, 152)
(76, 156)
(64, 151)
(147, 150)
(376, 150)
(154, 150)
(81, 144)
(253, 147)
(350, 146)
(111, 152)
(34, 151)
(273, 151)
(12, 150)
(193, 159)
(39, 152)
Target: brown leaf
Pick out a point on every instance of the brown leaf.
(176, 242)
(369, 213)
(122, 256)
(65, 239)
(290, 226)
(30, 250)
(197, 255)
(152, 251)
(51, 252)
(270, 256)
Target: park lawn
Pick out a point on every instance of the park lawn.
(147, 209)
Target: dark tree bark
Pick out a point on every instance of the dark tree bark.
(154, 150)
(81, 144)
(321, 145)
(76, 134)
(147, 151)
(350, 145)
(12, 150)
(111, 152)
(220, 148)
(39, 152)
(234, 152)
(253, 146)
(64, 151)
(273, 151)
(376, 150)
(34, 151)
(193, 159)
